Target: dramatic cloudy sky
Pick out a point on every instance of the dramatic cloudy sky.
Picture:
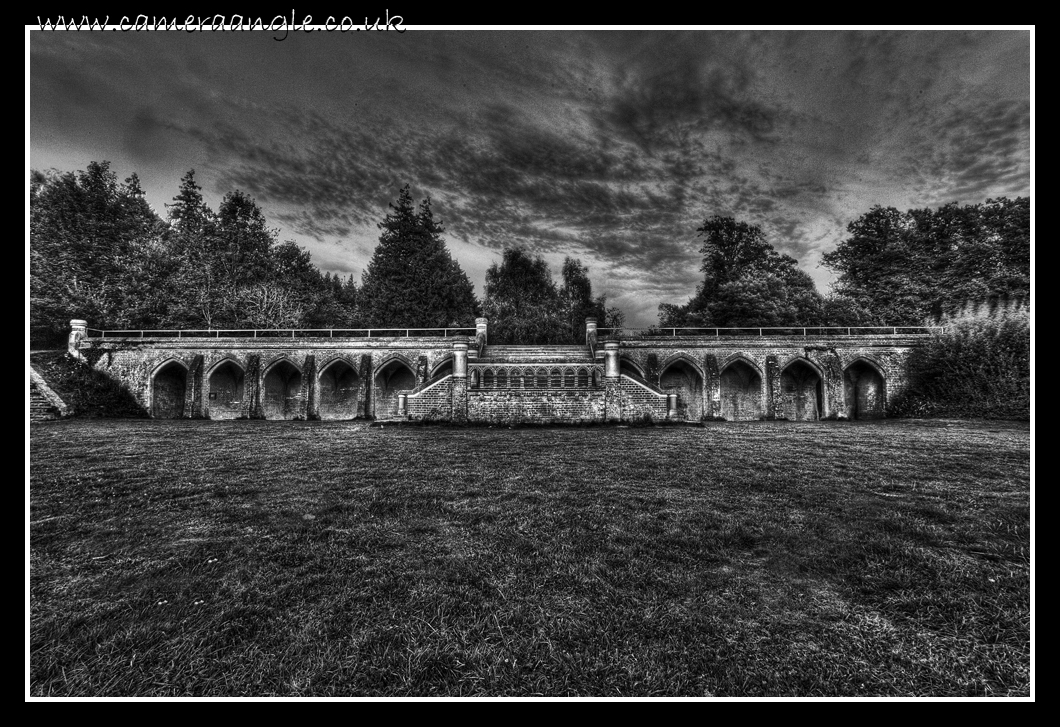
(609, 146)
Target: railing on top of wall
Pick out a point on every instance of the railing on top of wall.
(285, 333)
(770, 331)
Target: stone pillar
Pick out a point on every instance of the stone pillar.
(310, 406)
(252, 388)
(78, 332)
(590, 333)
(364, 396)
(834, 404)
(193, 393)
(459, 400)
(403, 405)
(711, 387)
(460, 359)
(611, 365)
(481, 331)
(612, 400)
(671, 406)
(772, 387)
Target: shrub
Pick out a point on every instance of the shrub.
(978, 366)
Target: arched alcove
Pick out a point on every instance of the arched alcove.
(281, 388)
(226, 391)
(864, 391)
(801, 392)
(338, 387)
(394, 377)
(168, 387)
(741, 392)
(682, 378)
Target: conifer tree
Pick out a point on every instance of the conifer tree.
(412, 280)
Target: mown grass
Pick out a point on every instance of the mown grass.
(293, 558)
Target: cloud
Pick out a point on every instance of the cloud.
(608, 146)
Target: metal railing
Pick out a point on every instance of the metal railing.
(284, 333)
(804, 331)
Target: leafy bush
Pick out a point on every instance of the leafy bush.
(979, 366)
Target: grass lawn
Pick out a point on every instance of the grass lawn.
(174, 558)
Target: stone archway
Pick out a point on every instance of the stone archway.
(741, 392)
(682, 378)
(226, 391)
(864, 389)
(392, 378)
(281, 392)
(338, 390)
(801, 392)
(168, 388)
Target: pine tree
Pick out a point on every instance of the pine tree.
(412, 280)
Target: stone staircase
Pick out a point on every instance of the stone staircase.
(44, 404)
(530, 354)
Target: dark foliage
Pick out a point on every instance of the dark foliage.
(906, 267)
(979, 366)
(746, 283)
(412, 280)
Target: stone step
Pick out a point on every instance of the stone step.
(41, 406)
(536, 354)
(528, 360)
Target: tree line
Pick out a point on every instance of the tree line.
(99, 251)
(894, 268)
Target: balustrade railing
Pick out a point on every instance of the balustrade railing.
(284, 333)
(803, 331)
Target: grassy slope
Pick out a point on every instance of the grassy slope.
(266, 558)
(87, 391)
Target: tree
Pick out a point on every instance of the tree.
(188, 212)
(745, 283)
(229, 270)
(88, 236)
(577, 302)
(522, 301)
(907, 267)
(412, 280)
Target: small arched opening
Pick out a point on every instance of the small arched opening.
(225, 397)
(281, 392)
(338, 388)
(801, 392)
(628, 368)
(741, 392)
(168, 387)
(864, 391)
(445, 368)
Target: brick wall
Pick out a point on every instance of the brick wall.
(785, 377)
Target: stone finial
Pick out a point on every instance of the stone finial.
(78, 332)
(590, 332)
